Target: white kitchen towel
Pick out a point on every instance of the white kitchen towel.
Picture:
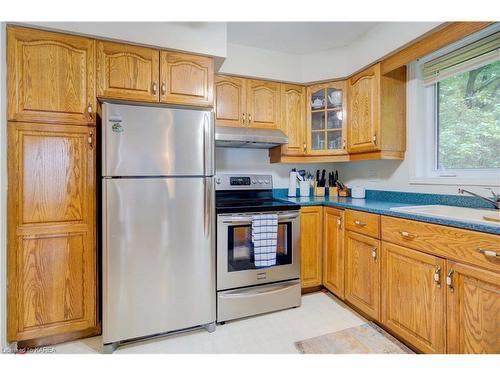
(265, 239)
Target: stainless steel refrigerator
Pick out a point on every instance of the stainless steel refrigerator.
(158, 248)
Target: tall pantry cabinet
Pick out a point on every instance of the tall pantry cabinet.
(52, 283)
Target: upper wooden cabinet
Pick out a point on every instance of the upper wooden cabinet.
(146, 74)
(473, 303)
(311, 246)
(293, 118)
(127, 72)
(230, 101)
(326, 119)
(51, 231)
(263, 104)
(51, 77)
(186, 79)
(377, 113)
(333, 251)
(362, 273)
(414, 297)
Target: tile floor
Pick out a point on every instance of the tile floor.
(273, 333)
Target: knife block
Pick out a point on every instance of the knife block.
(333, 191)
(344, 192)
(319, 191)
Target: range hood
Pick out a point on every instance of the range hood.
(226, 136)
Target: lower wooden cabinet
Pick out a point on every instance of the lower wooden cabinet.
(333, 251)
(51, 238)
(362, 273)
(311, 245)
(473, 304)
(414, 297)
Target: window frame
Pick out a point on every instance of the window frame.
(423, 130)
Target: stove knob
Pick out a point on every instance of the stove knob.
(260, 182)
(254, 182)
(266, 181)
(218, 180)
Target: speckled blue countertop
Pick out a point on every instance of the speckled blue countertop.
(380, 202)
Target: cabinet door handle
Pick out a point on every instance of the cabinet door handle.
(449, 280)
(90, 140)
(374, 139)
(489, 253)
(154, 87)
(304, 146)
(249, 118)
(437, 276)
(374, 253)
(407, 234)
(343, 144)
(339, 223)
(359, 223)
(89, 111)
(163, 88)
(244, 117)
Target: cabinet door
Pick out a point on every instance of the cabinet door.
(326, 119)
(51, 77)
(311, 228)
(51, 244)
(230, 101)
(127, 72)
(362, 282)
(293, 118)
(414, 296)
(333, 256)
(473, 303)
(263, 104)
(186, 79)
(363, 113)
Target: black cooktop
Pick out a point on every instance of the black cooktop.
(250, 201)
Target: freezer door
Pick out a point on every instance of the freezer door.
(158, 256)
(153, 140)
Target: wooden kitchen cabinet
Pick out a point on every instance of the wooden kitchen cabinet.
(473, 304)
(311, 245)
(362, 273)
(414, 297)
(186, 79)
(263, 104)
(293, 118)
(51, 231)
(127, 72)
(333, 251)
(51, 77)
(326, 119)
(377, 114)
(230, 101)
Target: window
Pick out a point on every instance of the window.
(454, 113)
(468, 119)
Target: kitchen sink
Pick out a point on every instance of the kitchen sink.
(473, 215)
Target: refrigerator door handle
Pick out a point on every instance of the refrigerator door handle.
(208, 142)
(207, 213)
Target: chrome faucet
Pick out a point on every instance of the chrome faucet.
(494, 200)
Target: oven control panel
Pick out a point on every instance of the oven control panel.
(243, 181)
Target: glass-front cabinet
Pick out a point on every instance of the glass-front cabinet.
(326, 119)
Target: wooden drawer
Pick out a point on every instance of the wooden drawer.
(363, 222)
(447, 242)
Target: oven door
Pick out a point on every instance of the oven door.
(235, 253)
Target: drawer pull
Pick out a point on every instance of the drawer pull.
(407, 234)
(489, 253)
(359, 223)
(449, 280)
(437, 276)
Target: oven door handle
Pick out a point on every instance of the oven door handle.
(248, 219)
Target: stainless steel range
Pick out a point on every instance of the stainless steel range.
(244, 289)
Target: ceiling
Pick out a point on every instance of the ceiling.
(296, 37)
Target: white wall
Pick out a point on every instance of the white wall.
(246, 160)
(3, 187)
